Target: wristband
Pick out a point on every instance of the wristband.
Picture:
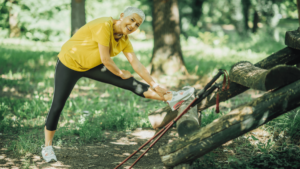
(154, 86)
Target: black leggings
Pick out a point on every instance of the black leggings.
(65, 79)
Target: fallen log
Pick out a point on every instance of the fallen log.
(246, 74)
(234, 124)
(184, 166)
(288, 56)
(292, 39)
(188, 123)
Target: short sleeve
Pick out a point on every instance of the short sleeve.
(101, 33)
(128, 48)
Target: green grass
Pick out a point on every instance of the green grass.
(26, 84)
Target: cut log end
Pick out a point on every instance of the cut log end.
(248, 75)
(292, 39)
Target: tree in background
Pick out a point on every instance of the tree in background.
(240, 15)
(167, 55)
(77, 15)
(14, 29)
(196, 6)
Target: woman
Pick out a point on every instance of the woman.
(88, 54)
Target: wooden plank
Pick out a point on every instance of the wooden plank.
(234, 124)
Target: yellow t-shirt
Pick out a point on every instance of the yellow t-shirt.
(81, 52)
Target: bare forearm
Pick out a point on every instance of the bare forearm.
(111, 66)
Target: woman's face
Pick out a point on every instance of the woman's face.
(130, 23)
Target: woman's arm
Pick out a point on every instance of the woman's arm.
(140, 69)
(110, 64)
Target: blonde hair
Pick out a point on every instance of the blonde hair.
(130, 10)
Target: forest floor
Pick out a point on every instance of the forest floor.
(118, 145)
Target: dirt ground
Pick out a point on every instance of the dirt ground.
(103, 155)
(117, 146)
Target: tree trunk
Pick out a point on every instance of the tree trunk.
(196, 11)
(289, 56)
(272, 21)
(232, 125)
(15, 31)
(77, 15)
(167, 55)
(246, 74)
(246, 6)
(188, 123)
(237, 16)
(255, 21)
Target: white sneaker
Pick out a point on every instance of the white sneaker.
(180, 96)
(48, 153)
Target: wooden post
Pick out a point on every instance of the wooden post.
(232, 125)
(246, 74)
(288, 56)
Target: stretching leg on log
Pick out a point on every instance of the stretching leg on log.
(65, 80)
(88, 54)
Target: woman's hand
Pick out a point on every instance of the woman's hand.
(161, 91)
(126, 74)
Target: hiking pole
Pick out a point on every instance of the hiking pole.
(165, 130)
(200, 96)
(143, 145)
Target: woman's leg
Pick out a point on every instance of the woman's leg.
(102, 74)
(64, 81)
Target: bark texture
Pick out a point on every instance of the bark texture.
(286, 56)
(246, 74)
(234, 124)
(292, 39)
(77, 15)
(167, 55)
(184, 166)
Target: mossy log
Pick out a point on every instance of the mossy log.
(292, 39)
(246, 74)
(234, 124)
(288, 56)
(188, 123)
(184, 166)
